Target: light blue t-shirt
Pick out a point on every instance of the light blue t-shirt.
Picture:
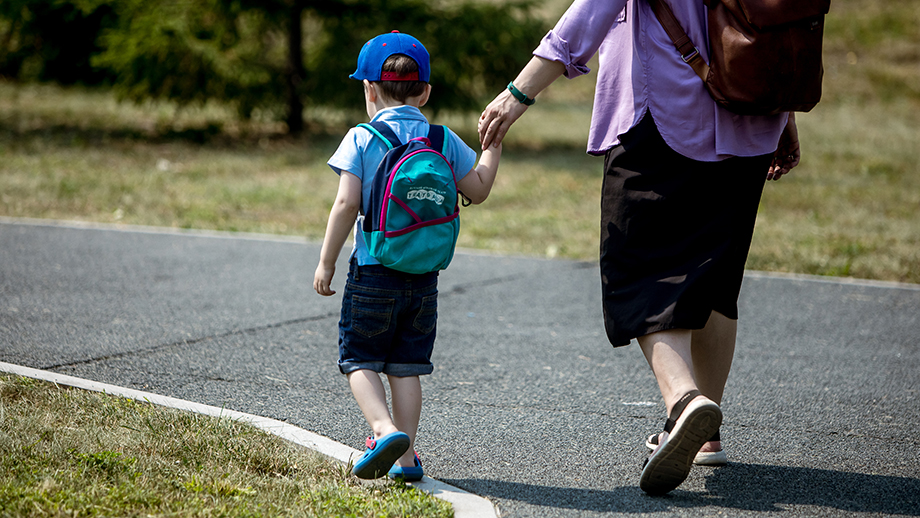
(361, 152)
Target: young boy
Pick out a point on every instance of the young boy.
(389, 317)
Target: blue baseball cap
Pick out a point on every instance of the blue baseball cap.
(376, 51)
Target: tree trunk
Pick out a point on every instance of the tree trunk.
(295, 69)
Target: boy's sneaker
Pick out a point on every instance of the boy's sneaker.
(380, 455)
(408, 474)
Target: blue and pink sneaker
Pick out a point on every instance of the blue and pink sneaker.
(380, 455)
(408, 474)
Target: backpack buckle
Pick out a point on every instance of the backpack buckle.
(691, 55)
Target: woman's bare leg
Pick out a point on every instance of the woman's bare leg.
(669, 355)
(713, 349)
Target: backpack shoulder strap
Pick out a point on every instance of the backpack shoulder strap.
(436, 136)
(688, 51)
(382, 130)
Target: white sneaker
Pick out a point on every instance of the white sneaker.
(702, 458)
(668, 466)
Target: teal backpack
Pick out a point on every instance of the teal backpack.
(412, 221)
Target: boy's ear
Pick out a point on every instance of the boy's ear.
(424, 97)
(370, 91)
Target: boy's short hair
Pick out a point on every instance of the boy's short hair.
(401, 65)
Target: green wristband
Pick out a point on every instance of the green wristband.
(519, 95)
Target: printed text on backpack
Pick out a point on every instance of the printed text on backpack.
(412, 221)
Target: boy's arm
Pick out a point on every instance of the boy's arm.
(341, 220)
(477, 184)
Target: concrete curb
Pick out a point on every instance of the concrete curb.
(466, 505)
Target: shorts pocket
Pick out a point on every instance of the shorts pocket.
(427, 317)
(371, 316)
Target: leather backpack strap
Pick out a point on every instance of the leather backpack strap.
(689, 52)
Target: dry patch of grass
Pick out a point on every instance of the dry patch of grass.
(67, 452)
(173, 184)
(851, 208)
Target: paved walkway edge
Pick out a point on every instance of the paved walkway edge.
(465, 504)
(226, 234)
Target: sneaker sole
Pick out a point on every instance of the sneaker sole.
(381, 461)
(670, 464)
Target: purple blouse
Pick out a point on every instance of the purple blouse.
(639, 69)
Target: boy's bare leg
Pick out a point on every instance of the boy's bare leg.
(713, 349)
(407, 410)
(371, 396)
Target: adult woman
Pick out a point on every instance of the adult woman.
(682, 182)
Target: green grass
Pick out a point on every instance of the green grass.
(68, 452)
(850, 208)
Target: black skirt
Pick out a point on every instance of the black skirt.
(675, 234)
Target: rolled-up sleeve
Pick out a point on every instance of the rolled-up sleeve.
(579, 33)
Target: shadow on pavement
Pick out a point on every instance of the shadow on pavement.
(743, 487)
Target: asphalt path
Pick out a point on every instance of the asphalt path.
(528, 405)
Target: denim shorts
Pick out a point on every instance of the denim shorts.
(388, 322)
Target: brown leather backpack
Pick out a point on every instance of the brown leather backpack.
(765, 55)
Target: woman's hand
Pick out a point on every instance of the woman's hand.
(501, 113)
(498, 117)
(788, 153)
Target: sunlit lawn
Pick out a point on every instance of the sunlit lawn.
(850, 209)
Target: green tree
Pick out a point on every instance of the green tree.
(276, 56)
(52, 40)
